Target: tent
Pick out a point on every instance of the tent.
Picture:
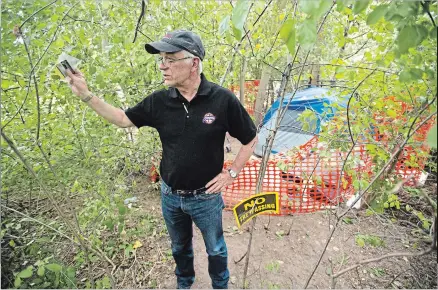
(291, 132)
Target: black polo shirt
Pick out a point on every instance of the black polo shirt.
(193, 139)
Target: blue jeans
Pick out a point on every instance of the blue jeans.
(205, 210)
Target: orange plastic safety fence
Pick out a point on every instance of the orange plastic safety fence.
(412, 160)
(251, 91)
(306, 182)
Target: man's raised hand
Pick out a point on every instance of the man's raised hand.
(78, 83)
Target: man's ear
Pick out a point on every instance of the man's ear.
(196, 63)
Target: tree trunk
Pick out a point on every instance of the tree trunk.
(315, 75)
(242, 81)
(262, 95)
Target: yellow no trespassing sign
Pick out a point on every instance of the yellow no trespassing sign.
(256, 204)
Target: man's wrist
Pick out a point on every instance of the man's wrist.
(232, 173)
(87, 97)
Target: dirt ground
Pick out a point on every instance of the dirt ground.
(286, 248)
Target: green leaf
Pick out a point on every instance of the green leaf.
(433, 33)
(410, 75)
(431, 137)
(360, 242)
(41, 271)
(416, 73)
(109, 224)
(122, 209)
(392, 113)
(287, 33)
(106, 4)
(224, 25)
(237, 33)
(54, 267)
(405, 76)
(26, 273)
(375, 241)
(58, 43)
(238, 17)
(106, 284)
(17, 282)
(411, 36)
(6, 84)
(99, 80)
(71, 272)
(37, 281)
(407, 8)
(360, 5)
(56, 282)
(377, 14)
(307, 34)
(315, 8)
(341, 4)
(422, 33)
(92, 70)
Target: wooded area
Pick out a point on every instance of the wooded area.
(68, 175)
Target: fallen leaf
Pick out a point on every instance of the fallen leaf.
(137, 244)
(279, 233)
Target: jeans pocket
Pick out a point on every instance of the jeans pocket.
(207, 196)
(165, 189)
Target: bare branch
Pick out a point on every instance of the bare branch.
(348, 66)
(377, 259)
(36, 64)
(36, 90)
(41, 223)
(348, 105)
(33, 14)
(236, 48)
(426, 8)
(143, 4)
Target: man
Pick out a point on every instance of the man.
(192, 117)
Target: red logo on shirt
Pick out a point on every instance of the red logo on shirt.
(208, 118)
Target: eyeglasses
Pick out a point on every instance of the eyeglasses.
(169, 61)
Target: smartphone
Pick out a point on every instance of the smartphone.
(63, 66)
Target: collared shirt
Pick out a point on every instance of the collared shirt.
(193, 133)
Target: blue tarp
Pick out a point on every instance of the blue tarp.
(290, 133)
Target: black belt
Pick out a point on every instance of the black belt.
(189, 192)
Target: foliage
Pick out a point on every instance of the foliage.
(374, 241)
(46, 275)
(273, 266)
(383, 51)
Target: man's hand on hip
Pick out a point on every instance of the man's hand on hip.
(219, 183)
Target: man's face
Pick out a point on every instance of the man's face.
(175, 72)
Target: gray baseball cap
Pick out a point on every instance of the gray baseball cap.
(176, 41)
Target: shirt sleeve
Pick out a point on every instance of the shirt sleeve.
(240, 124)
(144, 113)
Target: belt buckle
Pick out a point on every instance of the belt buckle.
(180, 192)
(199, 190)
